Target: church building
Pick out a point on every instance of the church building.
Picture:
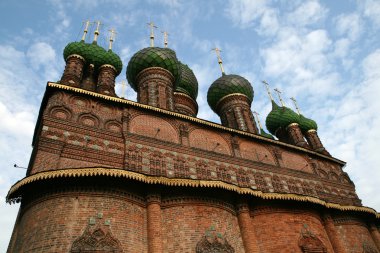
(108, 174)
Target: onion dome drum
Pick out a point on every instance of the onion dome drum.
(227, 85)
(152, 57)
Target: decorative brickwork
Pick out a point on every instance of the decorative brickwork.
(296, 136)
(235, 112)
(73, 73)
(155, 88)
(106, 80)
(89, 78)
(314, 142)
(185, 104)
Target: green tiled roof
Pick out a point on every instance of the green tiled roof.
(280, 117)
(114, 60)
(187, 83)
(152, 57)
(78, 48)
(93, 54)
(307, 124)
(226, 85)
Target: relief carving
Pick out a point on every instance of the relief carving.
(310, 243)
(96, 238)
(213, 242)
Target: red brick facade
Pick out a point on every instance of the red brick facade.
(112, 175)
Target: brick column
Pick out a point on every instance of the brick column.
(296, 136)
(185, 104)
(246, 229)
(89, 82)
(235, 112)
(154, 223)
(335, 241)
(155, 88)
(314, 142)
(73, 72)
(106, 80)
(375, 235)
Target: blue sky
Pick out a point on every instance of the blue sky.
(324, 53)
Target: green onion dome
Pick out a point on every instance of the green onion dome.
(79, 48)
(152, 57)
(226, 85)
(113, 59)
(280, 117)
(307, 124)
(95, 55)
(187, 83)
(265, 134)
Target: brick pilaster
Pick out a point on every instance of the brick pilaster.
(246, 229)
(154, 222)
(333, 235)
(375, 235)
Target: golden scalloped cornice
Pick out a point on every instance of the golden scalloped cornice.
(14, 192)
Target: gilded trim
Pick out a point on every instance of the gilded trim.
(230, 95)
(76, 56)
(292, 124)
(311, 131)
(108, 66)
(193, 119)
(90, 172)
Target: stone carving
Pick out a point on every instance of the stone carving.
(310, 243)
(96, 238)
(213, 242)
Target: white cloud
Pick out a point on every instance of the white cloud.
(244, 13)
(309, 12)
(349, 25)
(371, 9)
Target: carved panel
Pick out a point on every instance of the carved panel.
(310, 243)
(96, 238)
(88, 119)
(213, 242)
(113, 126)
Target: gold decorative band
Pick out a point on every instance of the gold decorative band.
(311, 131)
(108, 66)
(230, 95)
(75, 56)
(292, 124)
(90, 172)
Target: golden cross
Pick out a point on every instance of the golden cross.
(295, 104)
(268, 90)
(258, 119)
(165, 38)
(123, 84)
(112, 37)
(98, 23)
(217, 50)
(152, 26)
(86, 30)
(279, 96)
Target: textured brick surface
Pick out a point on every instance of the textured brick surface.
(53, 223)
(279, 229)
